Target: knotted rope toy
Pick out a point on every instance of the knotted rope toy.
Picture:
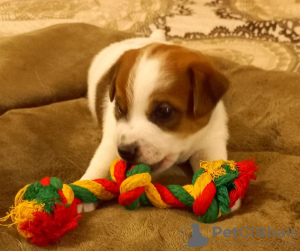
(46, 210)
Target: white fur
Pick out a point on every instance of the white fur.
(156, 146)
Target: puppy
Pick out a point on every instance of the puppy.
(158, 104)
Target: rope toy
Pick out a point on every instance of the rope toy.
(46, 210)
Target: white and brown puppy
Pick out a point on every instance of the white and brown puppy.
(158, 104)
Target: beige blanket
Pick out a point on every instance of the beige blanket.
(262, 33)
(46, 130)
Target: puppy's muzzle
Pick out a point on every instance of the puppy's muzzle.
(128, 152)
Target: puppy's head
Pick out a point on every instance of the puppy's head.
(163, 95)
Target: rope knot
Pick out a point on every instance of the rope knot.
(215, 168)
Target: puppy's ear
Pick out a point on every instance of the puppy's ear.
(107, 82)
(118, 72)
(112, 75)
(127, 60)
(209, 86)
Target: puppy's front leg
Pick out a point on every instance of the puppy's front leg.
(104, 155)
(107, 150)
(214, 152)
(100, 163)
(98, 169)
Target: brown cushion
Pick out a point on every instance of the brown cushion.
(49, 65)
(263, 109)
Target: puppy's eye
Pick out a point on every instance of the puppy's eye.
(119, 110)
(164, 112)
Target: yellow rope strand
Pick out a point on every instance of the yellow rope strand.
(137, 180)
(154, 196)
(200, 184)
(68, 193)
(96, 189)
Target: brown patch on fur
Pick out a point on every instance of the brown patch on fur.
(115, 81)
(123, 84)
(194, 90)
(106, 83)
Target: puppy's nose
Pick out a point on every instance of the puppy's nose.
(127, 152)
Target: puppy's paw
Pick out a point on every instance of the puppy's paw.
(237, 205)
(87, 207)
